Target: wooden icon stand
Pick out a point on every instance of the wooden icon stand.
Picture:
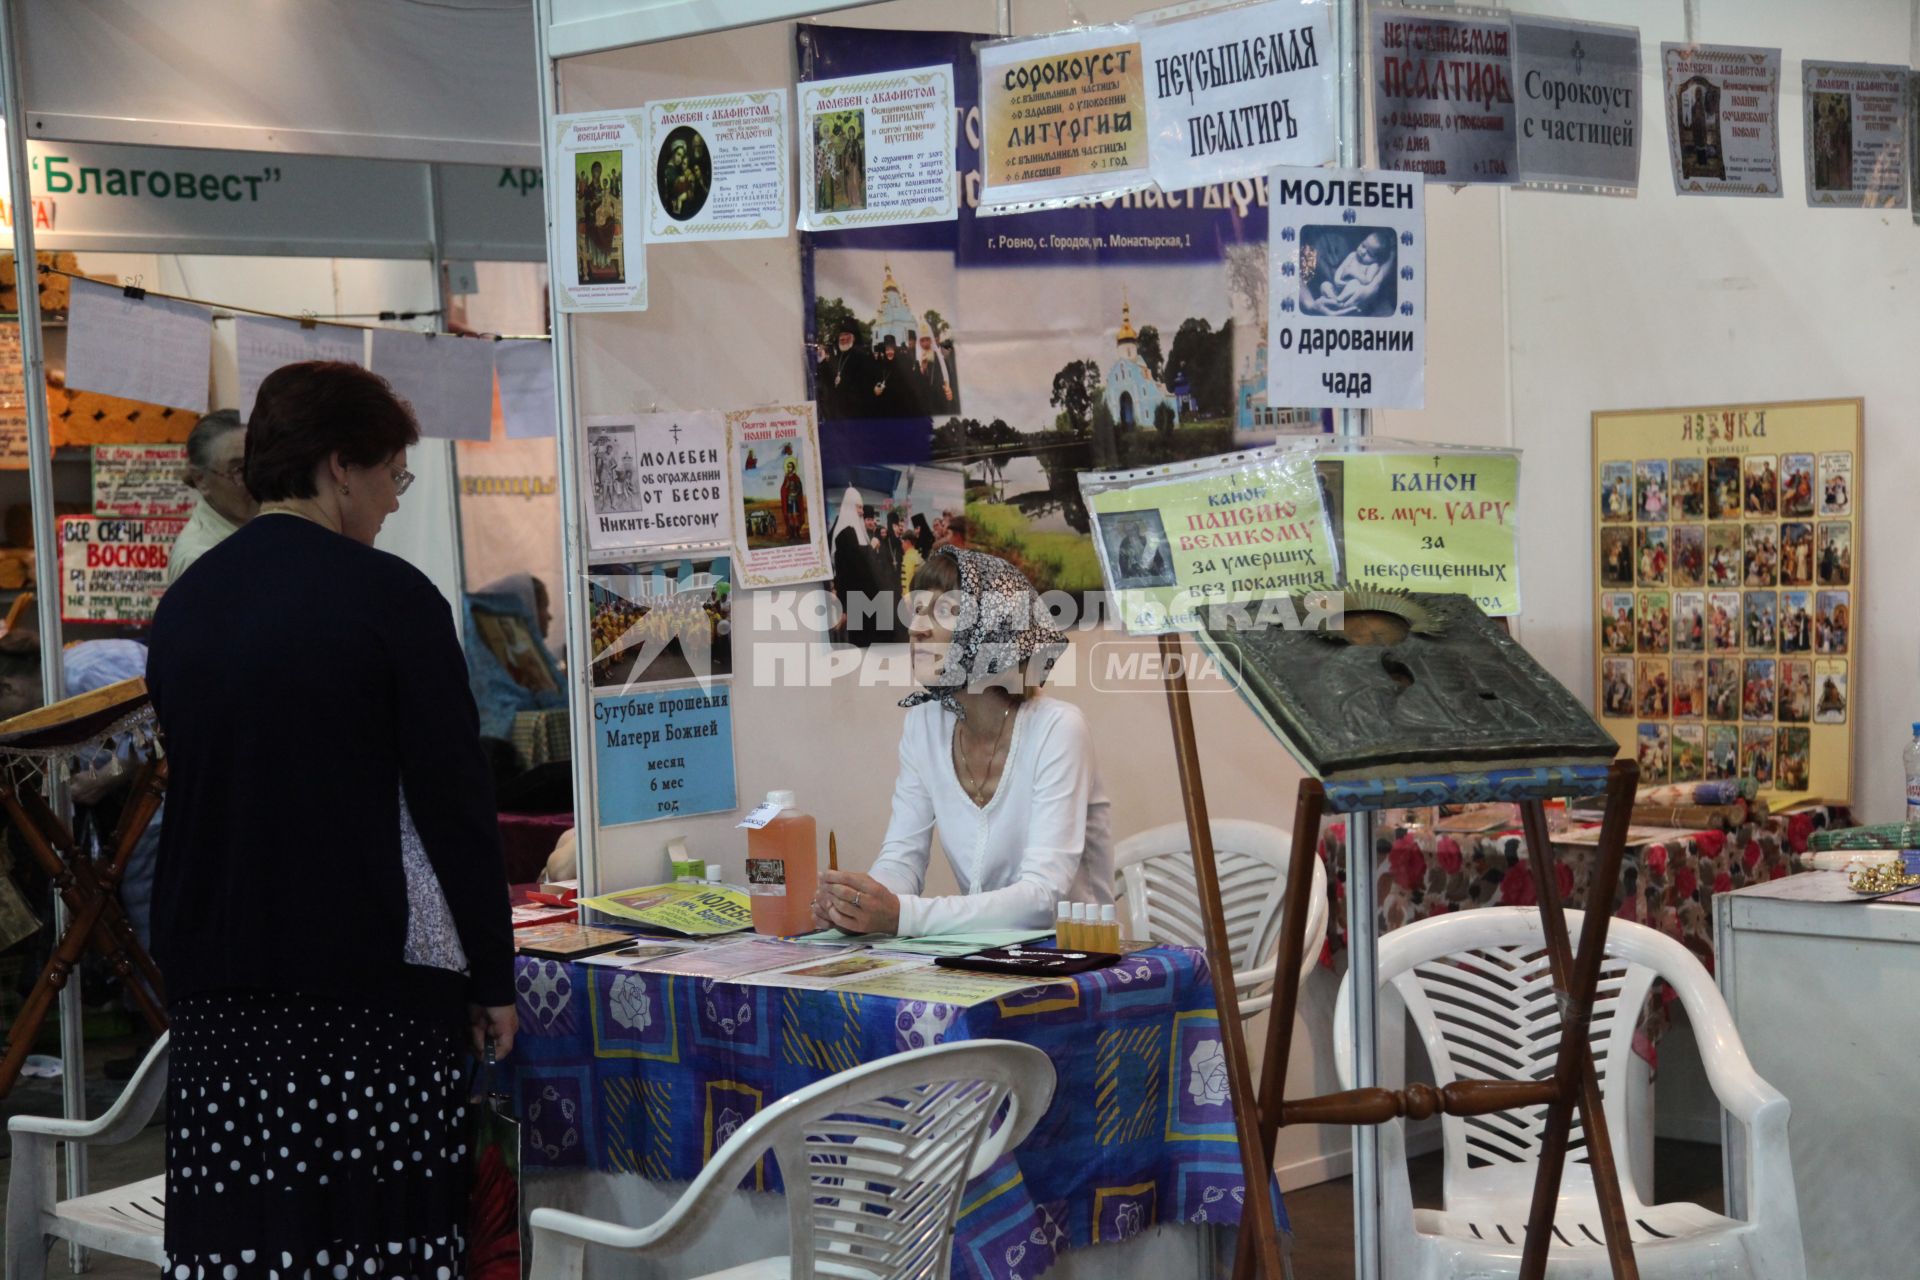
(1573, 1084)
(88, 887)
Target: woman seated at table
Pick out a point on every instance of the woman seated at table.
(1005, 776)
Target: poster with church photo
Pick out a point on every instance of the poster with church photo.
(1765, 590)
(1016, 351)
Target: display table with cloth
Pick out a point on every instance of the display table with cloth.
(1667, 885)
(619, 1072)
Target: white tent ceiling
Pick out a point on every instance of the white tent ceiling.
(445, 80)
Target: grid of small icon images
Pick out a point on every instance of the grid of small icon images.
(1726, 594)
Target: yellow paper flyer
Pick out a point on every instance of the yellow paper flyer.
(695, 910)
(1063, 115)
(1434, 522)
(1222, 530)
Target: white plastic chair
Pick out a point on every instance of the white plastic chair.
(1477, 986)
(1154, 873)
(874, 1159)
(127, 1221)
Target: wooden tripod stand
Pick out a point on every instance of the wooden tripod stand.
(1573, 1084)
(88, 887)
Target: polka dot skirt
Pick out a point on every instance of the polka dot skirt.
(308, 1140)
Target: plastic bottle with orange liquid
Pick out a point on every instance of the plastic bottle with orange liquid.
(783, 868)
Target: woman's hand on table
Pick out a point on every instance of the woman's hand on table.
(856, 903)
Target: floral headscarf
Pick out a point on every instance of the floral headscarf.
(1003, 626)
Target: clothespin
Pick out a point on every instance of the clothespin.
(833, 852)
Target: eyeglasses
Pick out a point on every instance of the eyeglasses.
(402, 481)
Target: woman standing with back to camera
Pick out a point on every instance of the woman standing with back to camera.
(331, 910)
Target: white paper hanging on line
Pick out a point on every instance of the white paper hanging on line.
(154, 350)
(448, 380)
(878, 150)
(597, 264)
(1063, 116)
(527, 405)
(656, 480)
(264, 343)
(1233, 92)
(718, 167)
(779, 523)
(1347, 302)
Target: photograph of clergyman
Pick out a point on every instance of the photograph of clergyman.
(1688, 496)
(1689, 555)
(1654, 741)
(1616, 491)
(1723, 688)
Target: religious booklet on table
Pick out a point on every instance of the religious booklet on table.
(1406, 683)
(567, 941)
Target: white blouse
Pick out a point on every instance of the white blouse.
(1042, 837)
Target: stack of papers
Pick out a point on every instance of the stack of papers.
(697, 910)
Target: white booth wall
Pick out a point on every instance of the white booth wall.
(1545, 308)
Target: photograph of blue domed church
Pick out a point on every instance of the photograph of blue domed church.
(1066, 369)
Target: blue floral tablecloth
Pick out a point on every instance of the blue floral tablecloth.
(650, 1074)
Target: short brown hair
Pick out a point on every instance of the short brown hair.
(307, 412)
